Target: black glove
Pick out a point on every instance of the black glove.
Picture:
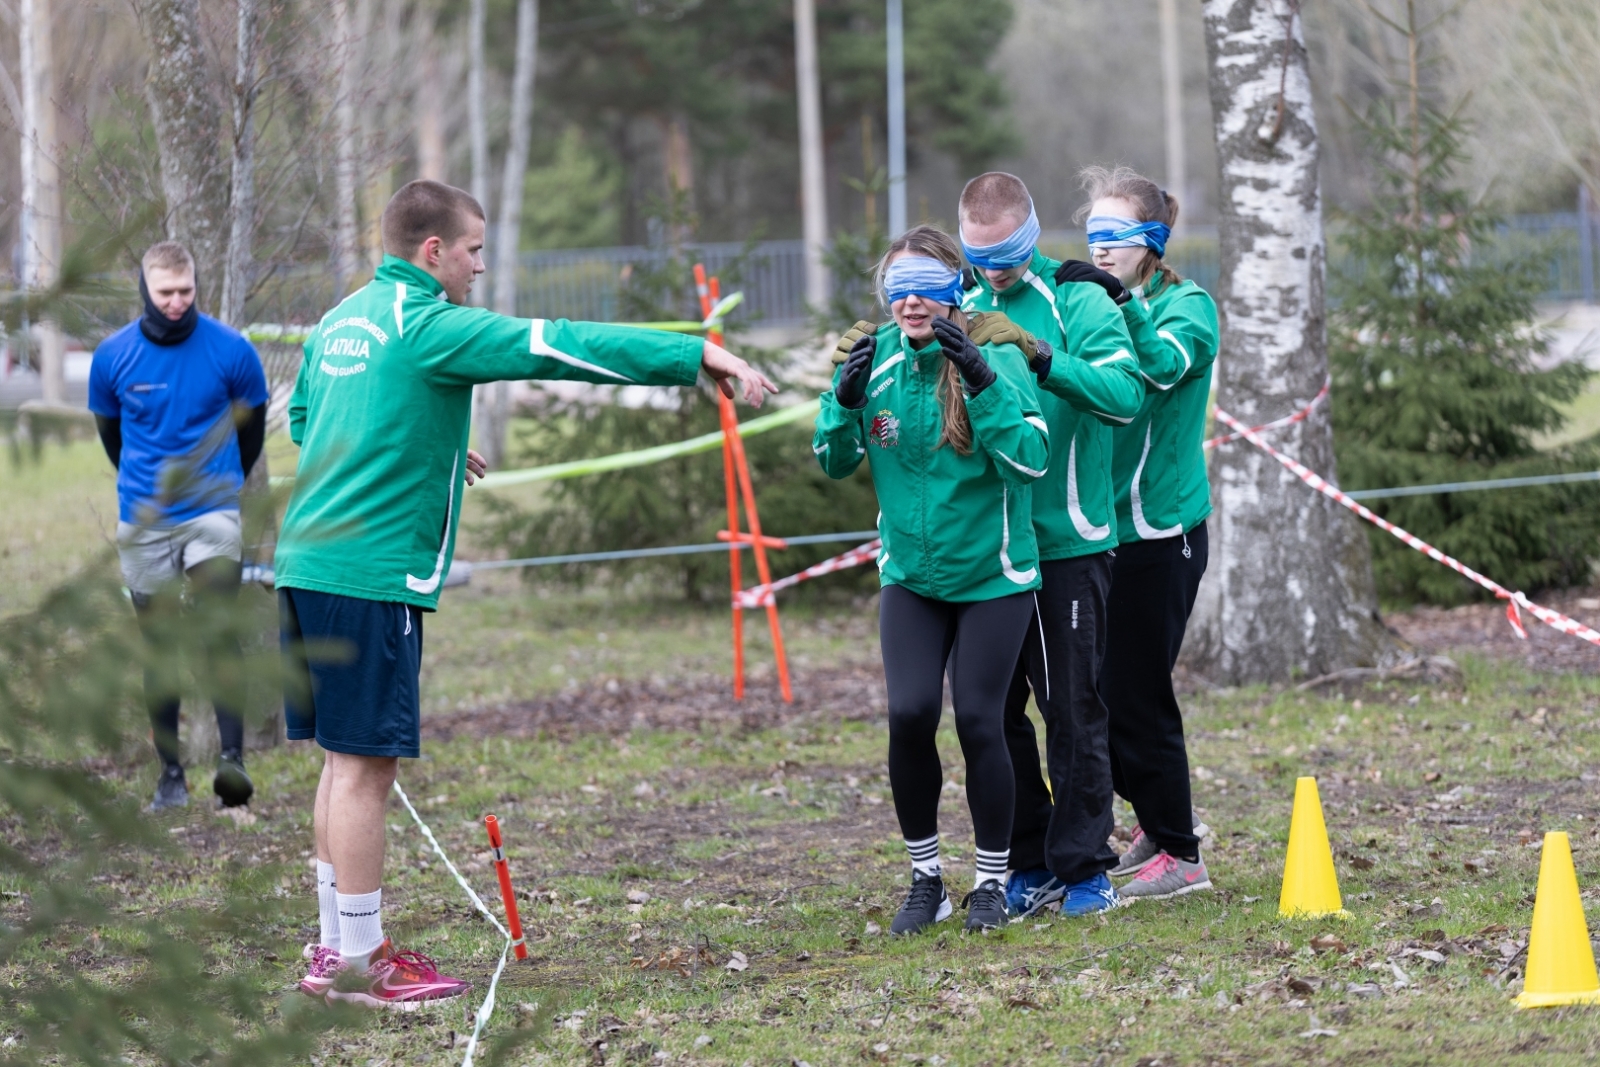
(851, 392)
(1076, 270)
(1040, 360)
(958, 348)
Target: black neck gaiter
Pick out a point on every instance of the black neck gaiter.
(160, 330)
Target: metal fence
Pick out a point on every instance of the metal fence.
(588, 283)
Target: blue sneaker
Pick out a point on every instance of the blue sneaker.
(1089, 896)
(1028, 891)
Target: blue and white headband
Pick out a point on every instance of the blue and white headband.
(1014, 251)
(1114, 231)
(924, 277)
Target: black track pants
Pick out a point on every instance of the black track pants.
(1061, 663)
(1153, 586)
(979, 642)
(214, 584)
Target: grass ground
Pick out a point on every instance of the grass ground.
(651, 857)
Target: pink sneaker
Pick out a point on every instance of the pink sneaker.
(325, 964)
(403, 981)
(1166, 876)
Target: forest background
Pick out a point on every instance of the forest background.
(633, 98)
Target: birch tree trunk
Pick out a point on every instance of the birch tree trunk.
(813, 194)
(41, 186)
(237, 276)
(1289, 587)
(477, 123)
(346, 242)
(496, 397)
(478, 136)
(188, 124)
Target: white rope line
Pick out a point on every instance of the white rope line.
(486, 1009)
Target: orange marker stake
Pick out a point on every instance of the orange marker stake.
(503, 869)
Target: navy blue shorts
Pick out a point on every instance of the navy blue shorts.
(350, 673)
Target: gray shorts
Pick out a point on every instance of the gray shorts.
(154, 557)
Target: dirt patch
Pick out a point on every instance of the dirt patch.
(1483, 629)
(853, 692)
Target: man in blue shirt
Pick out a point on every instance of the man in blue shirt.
(180, 402)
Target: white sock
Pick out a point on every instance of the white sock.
(360, 926)
(925, 855)
(327, 906)
(991, 867)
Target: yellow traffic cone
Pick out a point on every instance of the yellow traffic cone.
(1310, 887)
(1560, 958)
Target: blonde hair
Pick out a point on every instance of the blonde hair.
(934, 243)
(1154, 204)
(994, 197)
(167, 255)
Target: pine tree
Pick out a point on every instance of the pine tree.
(1436, 367)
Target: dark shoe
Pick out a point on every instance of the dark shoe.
(986, 906)
(172, 791)
(232, 784)
(926, 904)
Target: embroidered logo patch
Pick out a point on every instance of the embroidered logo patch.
(885, 429)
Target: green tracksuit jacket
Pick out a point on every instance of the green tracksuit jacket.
(1159, 466)
(954, 527)
(1093, 385)
(381, 413)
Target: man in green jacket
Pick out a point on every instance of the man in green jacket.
(381, 411)
(1089, 379)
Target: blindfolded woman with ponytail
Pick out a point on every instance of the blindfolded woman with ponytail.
(953, 433)
(1163, 499)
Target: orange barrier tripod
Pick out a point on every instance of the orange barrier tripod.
(736, 483)
(503, 869)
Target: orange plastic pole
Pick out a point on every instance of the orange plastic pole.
(753, 517)
(503, 869)
(729, 431)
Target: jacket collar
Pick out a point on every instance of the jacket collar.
(1038, 265)
(395, 269)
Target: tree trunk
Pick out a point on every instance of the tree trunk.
(188, 125)
(1289, 588)
(432, 160)
(813, 194)
(238, 275)
(41, 186)
(496, 398)
(346, 241)
(1172, 102)
(477, 123)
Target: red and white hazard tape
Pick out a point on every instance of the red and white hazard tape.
(1276, 424)
(761, 595)
(1514, 600)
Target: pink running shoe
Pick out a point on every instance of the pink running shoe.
(402, 981)
(1166, 876)
(325, 964)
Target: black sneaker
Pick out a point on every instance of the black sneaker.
(926, 904)
(986, 906)
(232, 784)
(172, 791)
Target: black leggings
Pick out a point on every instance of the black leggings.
(979, 642)
(1153, 586)
(214, 585)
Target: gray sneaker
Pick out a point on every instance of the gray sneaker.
(1166, 876)
(1142, 850)
(171, 791)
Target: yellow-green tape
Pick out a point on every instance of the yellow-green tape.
(641, 458)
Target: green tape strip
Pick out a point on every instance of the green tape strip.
(640, 458)
(646, 456)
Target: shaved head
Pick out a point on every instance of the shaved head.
(995, 197)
